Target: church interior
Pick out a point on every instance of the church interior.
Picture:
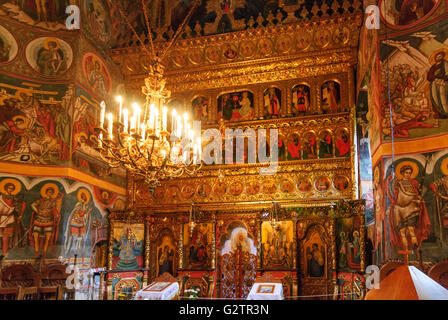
(194, 149)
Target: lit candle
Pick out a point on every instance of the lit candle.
(100, 140)
(195, 153)
(110, 117)
(173, 121)
(125, 120)
(120, 101)
(143, 131)
(103, 113)
(151, 116)
(133, 124)
(185, 125)
(165, 119)
(179, 127)
(199, 142)
(188, 132)
(156, 121)
(137, 113)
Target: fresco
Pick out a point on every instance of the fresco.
(35, 121)
(49, 218)
(128, 246)
(48, 15)
(8, 46)
(380, 232)
(50, 57)
(97, 75)
(97, 19)
(415, 202)
(236, 106)
(277, 245)
(50, 124)
(197, 246)
(404, 13)
(413, 67)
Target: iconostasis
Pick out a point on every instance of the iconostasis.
(249, 82)
(224, 251)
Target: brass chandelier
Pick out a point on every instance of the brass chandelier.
(145, 143)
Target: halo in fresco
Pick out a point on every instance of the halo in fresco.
(49, 56)
(97, 19)
(83, 192)
(96, 74)
(47, 186)
(401, 13)
(8, 46)
(14, 182)
(413, 165)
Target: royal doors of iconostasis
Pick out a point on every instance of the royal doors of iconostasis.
(237, 261)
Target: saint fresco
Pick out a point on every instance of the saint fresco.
(411, 205)
(49, 56)
(48, 15)
(97, 19)
(8, 46)
(48, 219)
(406, 12)
(96, 74)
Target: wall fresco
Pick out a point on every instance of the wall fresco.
(51, 218)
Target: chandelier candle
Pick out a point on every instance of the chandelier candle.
(110, 118)
(120, 101)
(126, 121)
(102, 114)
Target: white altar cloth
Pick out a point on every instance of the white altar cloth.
(266, 291)
(158, 291)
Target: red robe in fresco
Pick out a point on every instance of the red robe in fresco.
(422, 229)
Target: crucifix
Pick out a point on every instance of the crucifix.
(405, 254)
